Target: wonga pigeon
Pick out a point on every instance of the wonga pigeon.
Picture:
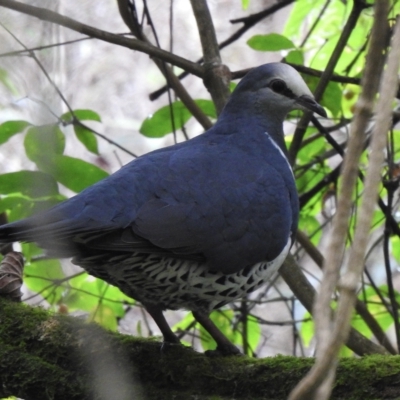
(196, 225)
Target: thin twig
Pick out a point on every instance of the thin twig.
(360, 306)
(44, 47)
(393, 223)
(318, 19)
(125, 9)
(386, 240)
(134, 44)
(358, 7)
(305, 292)
(42, 68)
(75, 121)
(164, 65)
(248, 22)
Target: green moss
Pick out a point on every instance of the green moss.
(45, 353)
(369, 377)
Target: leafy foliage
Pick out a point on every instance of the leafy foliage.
(84, 135)
(270, 42)
(11, 128)
(161, 122)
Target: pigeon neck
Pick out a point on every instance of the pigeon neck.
(255, 123)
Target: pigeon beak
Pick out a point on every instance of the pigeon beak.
(309, 103)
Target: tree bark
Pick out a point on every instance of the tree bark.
(48, 356)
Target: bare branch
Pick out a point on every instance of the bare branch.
(317, 382)
(49, 46)
(171, 78)
(349, 281)
(217, 75)
(134, 44)
(248, 22)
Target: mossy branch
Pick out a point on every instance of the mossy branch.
(47, 356)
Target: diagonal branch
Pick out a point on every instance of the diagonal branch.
(317, 383)
(130, 20)
(217, 75)
(358, 7)
(305, 292)
(360, 306)
(248, 22)
(134, 44)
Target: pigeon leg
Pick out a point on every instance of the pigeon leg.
(158, 317)
(224, 346)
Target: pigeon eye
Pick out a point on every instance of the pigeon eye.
(278, 86)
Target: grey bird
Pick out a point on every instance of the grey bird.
(196, 225)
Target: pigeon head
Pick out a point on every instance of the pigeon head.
(275, 89)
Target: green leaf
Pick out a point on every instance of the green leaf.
(270, 42)
(312, 149)
(11, 128)
(253, 332)
(345, 352)
(159, 124)
(325, 50)
(313, 175)
(30, 250)
(332, 98)
(104, 316)
(18, 211)
(19, 207)
(73, 173)
(310, 225)
(42, 142)
(329, 28)
(295, 57)
(245, 4)
(87, 138)
(376, 308)
(395, 247)
(184, 323)
(82, 293)
(10, 202)
(103, 302)
(222, 319)
(307, 329)
(208, 107)
(82, 115)
(44, 277)
(30, 183)
(4, 79)
(378, 219)
(300, 13)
